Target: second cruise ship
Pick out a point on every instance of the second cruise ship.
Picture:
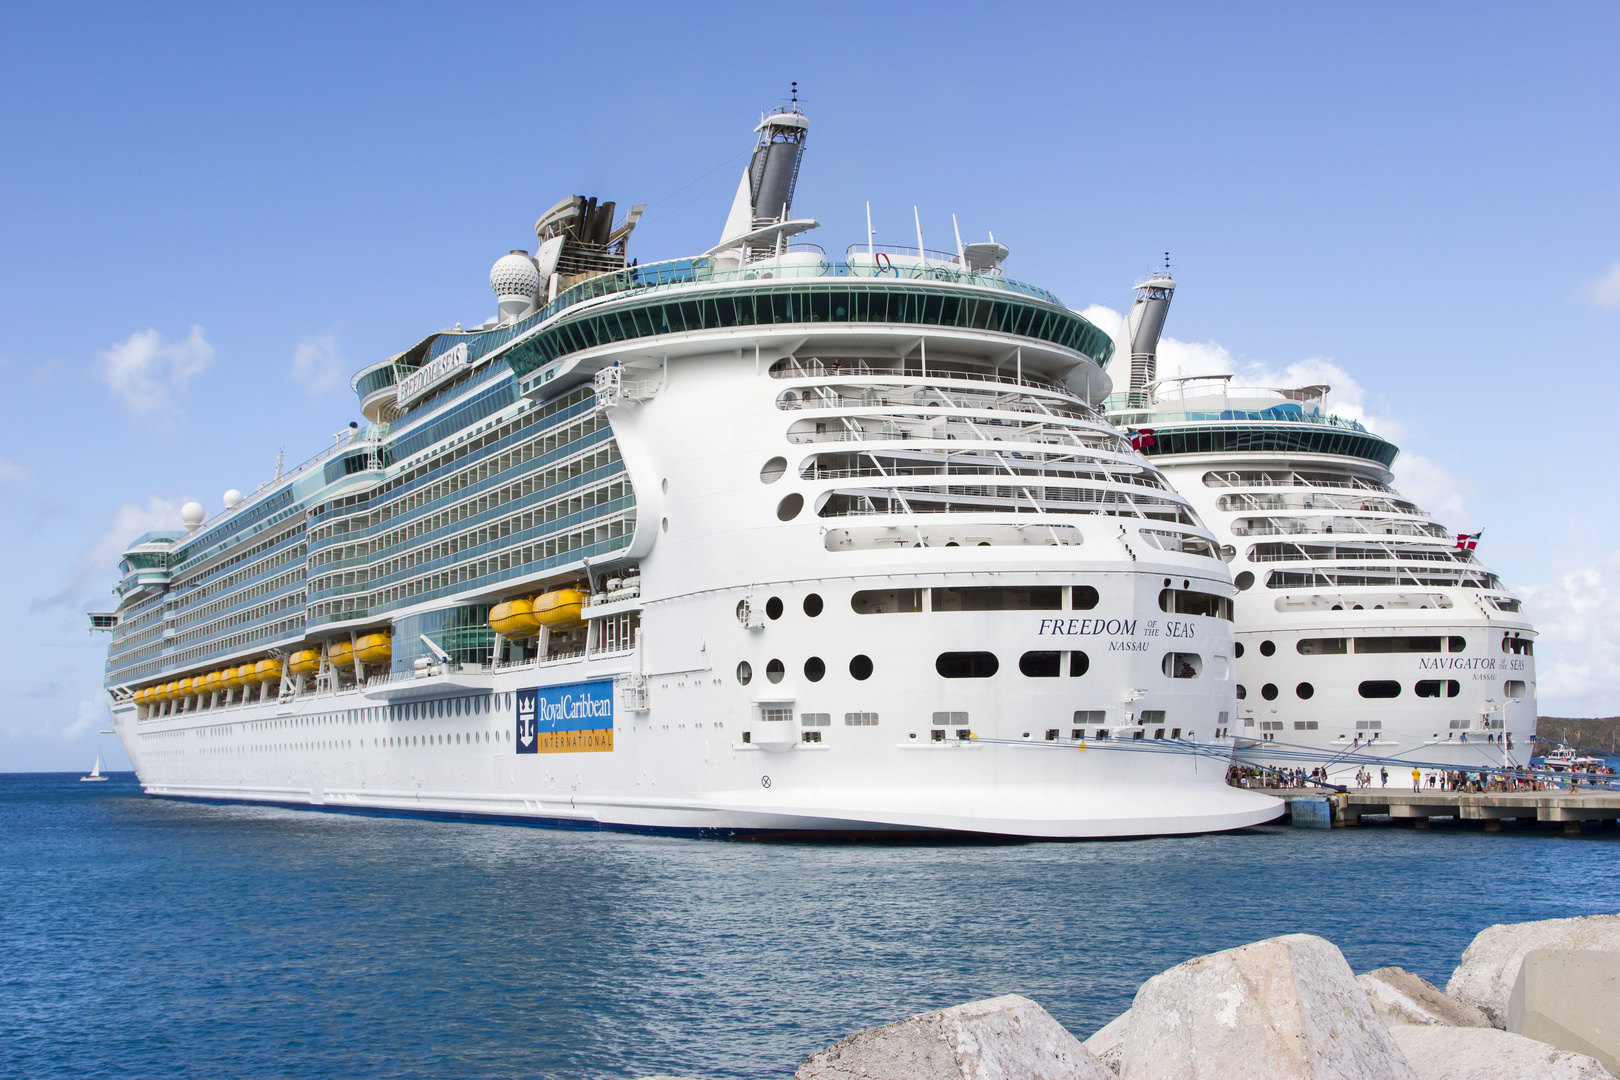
(1368, 635)
(755, 541)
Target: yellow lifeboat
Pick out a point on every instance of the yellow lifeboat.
(267, 670)
(154, 694)
(229, 679)
(339, 652)
(304, 662)
(171, 691)
(140, 697)
(212, 682)
(374, 648)
(559, 608)
(514, 618)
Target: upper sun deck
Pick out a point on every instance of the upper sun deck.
(1206, 414)
(795, 285)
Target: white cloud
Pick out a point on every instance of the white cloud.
(100, 562)
(92, 715)
(147, 370)
(318, 366)
(1578, 622)
(1604, 292)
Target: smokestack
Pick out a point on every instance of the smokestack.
(1143, 327)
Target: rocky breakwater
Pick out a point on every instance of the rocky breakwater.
(1530, 1001)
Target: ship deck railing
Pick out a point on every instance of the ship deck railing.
(815, 368)
(1230, 416)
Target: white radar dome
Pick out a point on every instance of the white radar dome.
(232, 499)
(193, 514)
(515, 275)
(516, 282)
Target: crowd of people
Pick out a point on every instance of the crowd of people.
(1500, 780)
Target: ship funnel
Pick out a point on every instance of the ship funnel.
(1143, 327)
(765, 194)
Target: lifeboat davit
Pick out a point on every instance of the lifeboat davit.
(304, 662)
(514, 618)
(374, 648)
(267, 670)
(559, 608)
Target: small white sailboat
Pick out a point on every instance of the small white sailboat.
(95, 771)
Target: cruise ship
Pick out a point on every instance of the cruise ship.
(756, 541)
(1369, 636)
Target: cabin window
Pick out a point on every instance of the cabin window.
(1191, 602)
(967, 665)
(1305, 691)
(1269, 692)
(1083, 598)
(815, 668)
(951, 719)
(860, 667)
(1380, 688)
(1181, 665)
(885, 601)
(1079, 664)
(1041, 665)
(1305, 725)
(1397, 645)
(860, 719)
(1322, 646)
(996, 598)
(1513, 688)
(815, 719)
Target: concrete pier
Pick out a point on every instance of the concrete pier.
(1567, 808)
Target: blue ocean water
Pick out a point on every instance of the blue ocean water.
(141, 937)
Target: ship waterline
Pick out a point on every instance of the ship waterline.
(768, 544)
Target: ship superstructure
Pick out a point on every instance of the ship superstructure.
(1368, 634)
(746, 542)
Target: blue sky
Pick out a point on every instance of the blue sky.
(211, 215)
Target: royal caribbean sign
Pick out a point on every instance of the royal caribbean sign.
(431, 374)
(574, 718)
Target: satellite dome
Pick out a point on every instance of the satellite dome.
(515, 275)
(232, 499)
(193, 514)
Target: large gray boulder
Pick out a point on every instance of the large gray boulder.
(1490, 965)
(1400, 997)
(1570, 1000)
(1437, 1052)
(1003, 1038)
(1108, 1044)
(1287, 1008)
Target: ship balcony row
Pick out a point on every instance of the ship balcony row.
(1368, 526)
(1323, 501)
(1403, 551)
(1290, 478)
(897, 429)
(993, 498)
(929, 396)
(945, 372)
(1019, 468)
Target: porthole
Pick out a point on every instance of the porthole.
(789, 507)
(664, 525)
(1267, 648)
(1242, 692)
(1269, 692)
(1237, 650)
(1244, 580)
(1305, 691)
(861, 667)
(1379, 688)
(812, 605)
(1079, 664)
(773, 608)
(663, 485)
(815, 668)
(774, 670)
(745, 673)
(773, 470)
(1083, 598)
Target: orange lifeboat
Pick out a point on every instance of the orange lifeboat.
(514, 618)
(212, 682)
(267, 670)
(304, 662)
(559, 608)
(374, 648)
